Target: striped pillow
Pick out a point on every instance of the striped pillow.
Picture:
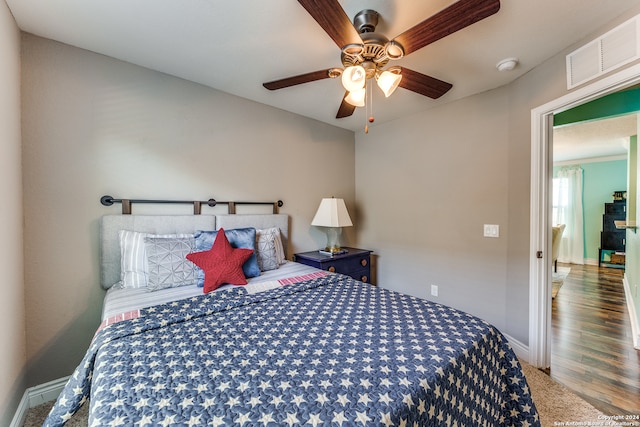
(134, 269)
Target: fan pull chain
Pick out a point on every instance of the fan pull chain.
(369, 108)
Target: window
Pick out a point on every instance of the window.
(560, 201)
(566, 206)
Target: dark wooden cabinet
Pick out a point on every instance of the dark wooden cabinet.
(612, 239)
(355, 263)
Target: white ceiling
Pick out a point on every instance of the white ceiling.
(236, 45)
(594, 139)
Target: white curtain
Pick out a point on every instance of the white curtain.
(567, 209)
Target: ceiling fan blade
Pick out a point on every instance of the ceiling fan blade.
(345, 109)
(333, 20)
(459, 15)
(423, 84)
(297, 80)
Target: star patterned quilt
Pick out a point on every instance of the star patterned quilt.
(326, 351)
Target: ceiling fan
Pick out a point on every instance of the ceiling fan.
(365, 53)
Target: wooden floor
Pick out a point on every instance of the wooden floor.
(592, 348)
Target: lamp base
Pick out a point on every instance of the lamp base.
(333, 251)
(333, 237)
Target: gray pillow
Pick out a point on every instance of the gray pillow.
(168, 266)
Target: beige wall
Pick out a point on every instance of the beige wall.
(430, 181)
(12, 306)
(95, 126)
(539, 86)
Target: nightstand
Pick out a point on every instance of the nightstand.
(355, 263)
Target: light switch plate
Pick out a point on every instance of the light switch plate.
(491, 230)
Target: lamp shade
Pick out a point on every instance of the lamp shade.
(388, 82)
(356, 98)
(332, 212)
(353, 78)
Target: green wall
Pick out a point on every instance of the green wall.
(613, 105)
(600, 180)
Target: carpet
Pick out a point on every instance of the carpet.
(558, 279)
(556, 405)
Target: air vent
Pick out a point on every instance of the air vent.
(612, 50)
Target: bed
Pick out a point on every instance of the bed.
(295, 346)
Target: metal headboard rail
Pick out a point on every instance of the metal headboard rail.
(197, 204)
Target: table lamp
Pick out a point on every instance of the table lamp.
(332, 215)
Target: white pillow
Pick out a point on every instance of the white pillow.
(134, 270)
(269, 249)
(279, 248)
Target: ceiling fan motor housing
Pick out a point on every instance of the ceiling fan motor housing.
(366, 21)
(371, 54)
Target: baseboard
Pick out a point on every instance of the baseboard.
(35, 396)
(21, 412)
(521, 350)
(633, 317)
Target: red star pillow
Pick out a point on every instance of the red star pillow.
(221, 264)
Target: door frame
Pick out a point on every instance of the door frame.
(540, 232)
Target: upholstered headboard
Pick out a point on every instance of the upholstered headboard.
(172, 224)
(281, 221)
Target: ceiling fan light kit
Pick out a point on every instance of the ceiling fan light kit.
(365, 53)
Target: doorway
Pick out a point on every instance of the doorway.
(540, 230)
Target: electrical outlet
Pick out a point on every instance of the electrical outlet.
(491, 230)
(434, 290)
